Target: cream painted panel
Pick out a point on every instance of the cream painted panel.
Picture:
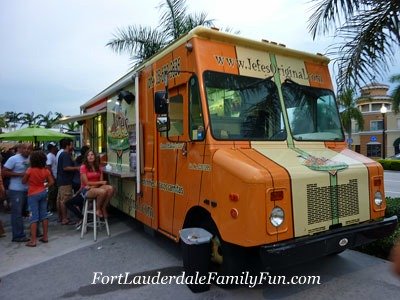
(292, 68)
(253, 62)
(300, 176)
(359, 171)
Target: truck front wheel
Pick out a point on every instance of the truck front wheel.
(225, 259)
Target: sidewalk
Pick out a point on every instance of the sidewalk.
(62, 239)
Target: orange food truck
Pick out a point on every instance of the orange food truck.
(241, 138)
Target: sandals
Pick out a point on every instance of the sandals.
(43, 240)
(29, 244)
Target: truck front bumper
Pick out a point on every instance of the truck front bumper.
(303, 249)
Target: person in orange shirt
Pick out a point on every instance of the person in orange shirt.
(38, 178)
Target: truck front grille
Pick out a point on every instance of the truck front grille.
(321, 201)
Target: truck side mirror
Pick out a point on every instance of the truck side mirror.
(161, 103)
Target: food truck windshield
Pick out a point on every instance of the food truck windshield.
(248, 108)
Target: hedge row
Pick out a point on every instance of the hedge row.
(381, 248)
(390, 164)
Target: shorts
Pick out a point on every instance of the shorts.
(37, 204)
(64, 193)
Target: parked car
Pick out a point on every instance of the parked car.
(396, 156)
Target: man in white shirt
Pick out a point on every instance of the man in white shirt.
(52, 166)
(15, 168)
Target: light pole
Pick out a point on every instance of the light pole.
(383, 112)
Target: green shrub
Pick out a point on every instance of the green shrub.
(390, 164)
(395, 164)
(392, 207)
(384, 163)
(382, 247)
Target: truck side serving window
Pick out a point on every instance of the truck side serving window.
(196, 122)
(243, 108)
(312, 113)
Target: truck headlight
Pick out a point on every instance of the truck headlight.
(277, 216)
(378, 198)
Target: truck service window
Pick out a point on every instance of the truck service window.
(243, 108)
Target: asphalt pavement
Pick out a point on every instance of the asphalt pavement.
(392, 184)
(63, 239)
(64, 268)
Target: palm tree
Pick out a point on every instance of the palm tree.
(396, 92)
(3, 123)
(72, 126)
(370, 33)
(48, 121)
(30, 119)
(349, 111)
(12, 118)
(143, 42)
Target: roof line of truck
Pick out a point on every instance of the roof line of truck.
(211, 34)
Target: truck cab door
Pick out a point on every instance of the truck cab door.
(181, 156)
(169, 147)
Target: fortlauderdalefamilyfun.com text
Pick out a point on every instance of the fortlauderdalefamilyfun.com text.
(244, 279)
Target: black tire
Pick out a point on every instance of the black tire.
(226, 259)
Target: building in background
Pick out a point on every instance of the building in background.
(369, 142)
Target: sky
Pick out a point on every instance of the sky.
(54, 57)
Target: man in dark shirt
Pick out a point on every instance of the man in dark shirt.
(65, 174)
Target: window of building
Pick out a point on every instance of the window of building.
(376, 107)
(356, 128)
(376, 125)
(374, 150)
(365, 108)
(357, 148)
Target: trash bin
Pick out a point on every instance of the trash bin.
(196, 253)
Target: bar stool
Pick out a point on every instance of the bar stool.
(96, 221)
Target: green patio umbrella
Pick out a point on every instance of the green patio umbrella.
(34, 134)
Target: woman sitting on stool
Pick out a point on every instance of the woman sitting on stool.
(92, 181)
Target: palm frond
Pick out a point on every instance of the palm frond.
(139, 42)
(369, 48)
(349, 111)
(197, 19)
(395, 93)
(173, 17)
(328, 14)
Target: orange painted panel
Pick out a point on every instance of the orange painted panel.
(318, 75)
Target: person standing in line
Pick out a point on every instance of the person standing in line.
(52, 166)
(38, 178)
(65, 174)
(2, 195)
(15, 168)
(61, 150)
(75, 204)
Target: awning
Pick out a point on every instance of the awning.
(81, 117)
